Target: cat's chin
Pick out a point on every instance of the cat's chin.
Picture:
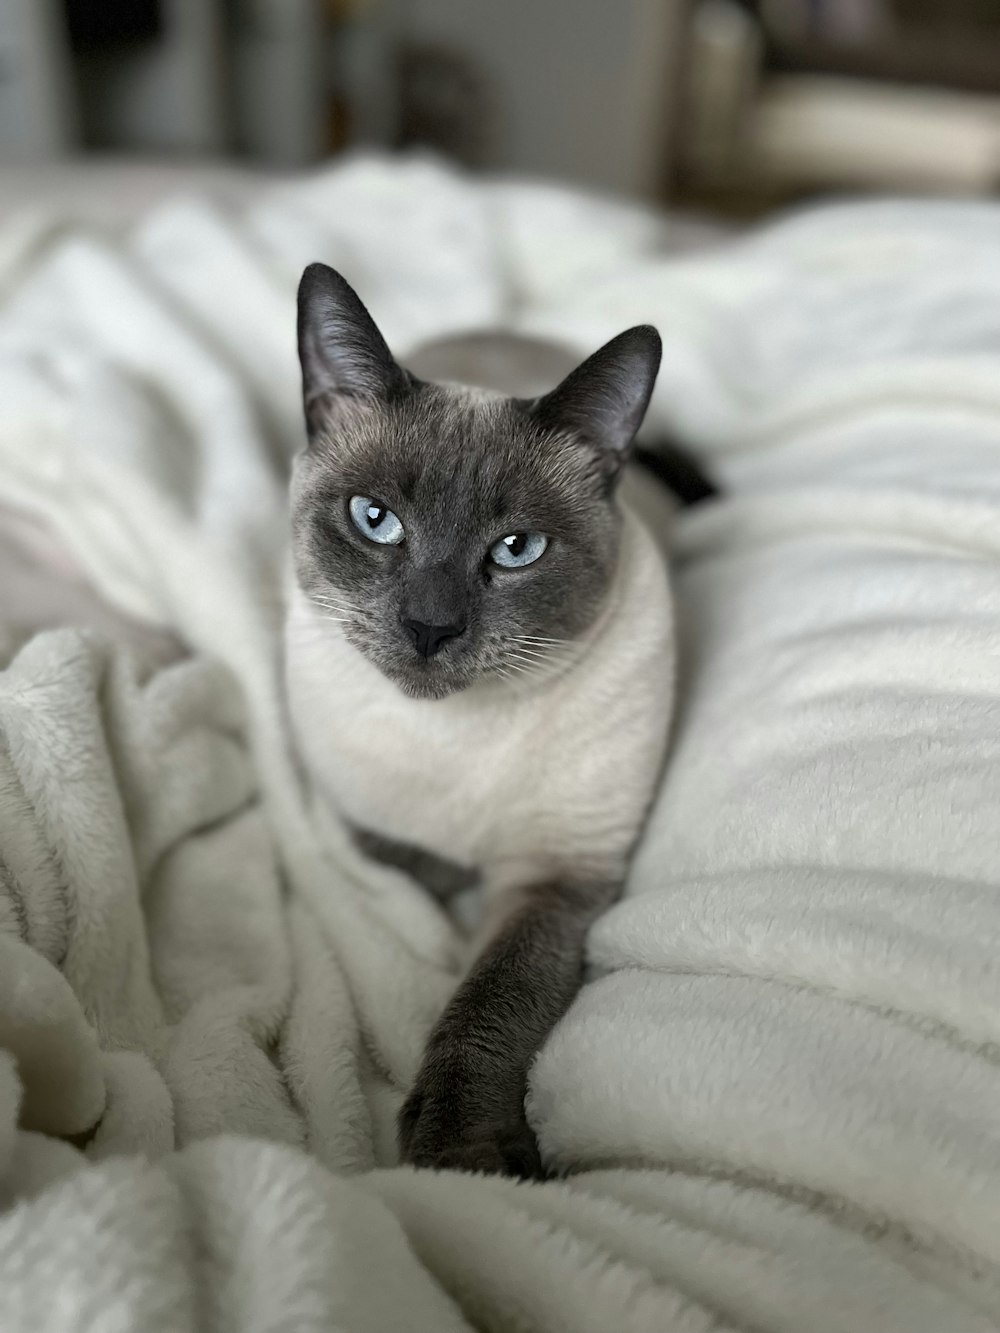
(429, 689)
(427, 683)
(416, 679)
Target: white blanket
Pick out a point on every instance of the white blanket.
(778, 1098)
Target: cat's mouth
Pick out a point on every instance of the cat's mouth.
(455, 666)
(416, 675)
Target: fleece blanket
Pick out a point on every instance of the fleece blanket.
(774, 1106)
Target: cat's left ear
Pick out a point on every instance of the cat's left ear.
(342, 353)
(604, 400)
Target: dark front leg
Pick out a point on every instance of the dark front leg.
(466, 1109)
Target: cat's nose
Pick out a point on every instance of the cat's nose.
(429, 639)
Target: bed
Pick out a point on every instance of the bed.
(774, 1105)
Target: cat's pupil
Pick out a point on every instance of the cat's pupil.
(516, 543)
(375, 514)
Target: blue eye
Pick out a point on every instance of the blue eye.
(375, 522)
(518, 550)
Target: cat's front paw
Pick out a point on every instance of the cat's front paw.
(435, 1132)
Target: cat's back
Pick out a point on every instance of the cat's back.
(512, 364)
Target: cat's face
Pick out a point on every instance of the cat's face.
(456, 536)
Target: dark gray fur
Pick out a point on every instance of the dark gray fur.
(462, 470)
(442, 879)
(466, 1109)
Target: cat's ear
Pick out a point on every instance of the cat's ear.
(604, 400)
(342, 353)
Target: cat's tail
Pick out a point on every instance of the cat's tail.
(676, 469)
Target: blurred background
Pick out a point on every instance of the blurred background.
(732, 106)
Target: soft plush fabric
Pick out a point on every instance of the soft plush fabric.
(776, 1101)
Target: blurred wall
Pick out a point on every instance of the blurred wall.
(578, 89)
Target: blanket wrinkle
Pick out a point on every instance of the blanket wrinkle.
(774, 1104)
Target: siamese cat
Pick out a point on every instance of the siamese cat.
(480, 661)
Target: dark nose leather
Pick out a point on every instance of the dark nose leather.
(430, 639)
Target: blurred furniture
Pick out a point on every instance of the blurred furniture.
(278, 46)
(578, 89)
(906, 96)
(283, 82)
(37, 112)
(150, 77)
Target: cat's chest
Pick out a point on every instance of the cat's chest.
(512, 783)
(554, 784)
(467, 778)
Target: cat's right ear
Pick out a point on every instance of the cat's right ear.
(342, 354)
(602, 402)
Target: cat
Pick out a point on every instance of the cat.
(480, 662)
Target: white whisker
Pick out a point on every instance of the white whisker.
(540, 654)
(530, 671)
(560, 648)
(539, 661)
(551, 652)
(316, 622)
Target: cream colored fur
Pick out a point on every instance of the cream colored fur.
(523, 779)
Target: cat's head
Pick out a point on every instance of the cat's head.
(456, 535)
